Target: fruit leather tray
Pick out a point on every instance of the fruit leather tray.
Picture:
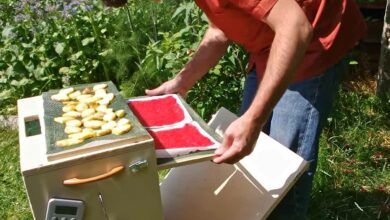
(160, 111)
(55, 131)
(181, 140)
(176, 128)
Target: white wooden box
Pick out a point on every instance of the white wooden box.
(125, 195)
(248, 190)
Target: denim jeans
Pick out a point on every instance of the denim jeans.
(296, 122)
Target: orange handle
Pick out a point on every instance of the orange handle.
(77, 181)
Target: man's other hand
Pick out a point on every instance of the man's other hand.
(169, 87)
(238, 141)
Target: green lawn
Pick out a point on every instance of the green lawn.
(13, 200)
(352, 180)
(353, 177)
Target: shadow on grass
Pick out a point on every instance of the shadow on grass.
(346, 204)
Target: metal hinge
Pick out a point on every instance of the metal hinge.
(138, 166)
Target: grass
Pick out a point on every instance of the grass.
(353, 176)
(13, 199)
(352, 180)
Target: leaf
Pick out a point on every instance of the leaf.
(19, 68)
(24, 81)
(76, 56)
(6, 94)
(158, 51)
(39, 72)
(26, 45)
(180, 9)
(7, 32)
(95, 63)
(105, 53)
(170, 56)
(232, 60)
(64, 70)
(87, 41)
(85, 18)
(73, 70)
(59, 48)
(41, 48)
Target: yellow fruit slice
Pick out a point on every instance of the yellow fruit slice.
(121, 129)
(123, 121)
(68, 108)
(109, 116)
(72, 130)
(120, 113)
(72, 114)
(93, 124)
(68, 142)
(103, 132)
(88, 112)
(100, 86)
(63, 120)
(74, 123)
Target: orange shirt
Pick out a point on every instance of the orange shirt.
(337, 26)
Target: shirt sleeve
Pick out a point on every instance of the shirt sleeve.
(257, 8)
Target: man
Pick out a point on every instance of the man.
(297, 49)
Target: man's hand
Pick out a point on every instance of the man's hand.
(169, 87)
(238, 141)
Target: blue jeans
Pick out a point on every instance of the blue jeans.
(296, 122)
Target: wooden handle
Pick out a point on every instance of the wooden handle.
(77, 181)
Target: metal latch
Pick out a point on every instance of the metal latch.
(138, 166)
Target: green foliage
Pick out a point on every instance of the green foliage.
(48, 45)
(167, 48)
(174, 47)
(222, 87)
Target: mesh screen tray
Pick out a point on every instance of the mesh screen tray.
(55, 131)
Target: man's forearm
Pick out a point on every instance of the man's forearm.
(212, 47)
(287, 52)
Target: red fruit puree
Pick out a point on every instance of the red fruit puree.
(157, 112)
(185, 137)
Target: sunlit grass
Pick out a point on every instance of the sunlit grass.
(13, 199)
(353, 176)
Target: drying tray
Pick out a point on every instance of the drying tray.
(55, 131)
(193, 157)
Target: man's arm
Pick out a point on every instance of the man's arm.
(212, 47)
(293, 33)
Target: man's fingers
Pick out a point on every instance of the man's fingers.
(157, 91)
(226, 143)
(227, 155)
